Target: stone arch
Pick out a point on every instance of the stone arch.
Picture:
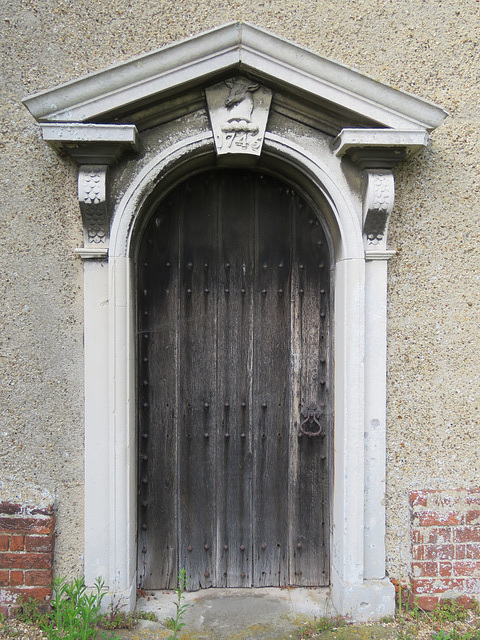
(290, 161)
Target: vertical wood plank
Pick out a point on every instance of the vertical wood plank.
(197, 432)
(309, 486)
(234, 349)
(157, 311)
(270, 410)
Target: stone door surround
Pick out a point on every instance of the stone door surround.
(240, 96)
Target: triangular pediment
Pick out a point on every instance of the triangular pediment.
(170, 82)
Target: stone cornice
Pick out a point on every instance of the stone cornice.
(91, 143)
(379, 148)
(235, 48)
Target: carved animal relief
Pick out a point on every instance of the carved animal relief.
(238, 110)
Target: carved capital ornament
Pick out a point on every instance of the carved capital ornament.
(92, 196)
(94, 147)
(378, 199)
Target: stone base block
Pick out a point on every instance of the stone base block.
(369, 601)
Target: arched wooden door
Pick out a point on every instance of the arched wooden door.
(233, 356)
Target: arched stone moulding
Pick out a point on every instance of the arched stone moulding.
(241, 96)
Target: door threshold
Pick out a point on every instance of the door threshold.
(267, 612)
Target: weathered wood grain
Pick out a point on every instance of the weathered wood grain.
(157, 305)
(271, 383)
(234, 381)
(233, 315)
(309, 456)
(197, 377)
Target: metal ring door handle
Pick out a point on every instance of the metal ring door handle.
(311, 417)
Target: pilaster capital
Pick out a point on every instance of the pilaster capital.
(92, 196)
(376, 152)
(378, 199)
(94, 147)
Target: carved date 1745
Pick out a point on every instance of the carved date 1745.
(238, 110)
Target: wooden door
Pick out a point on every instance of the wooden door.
(233, 345)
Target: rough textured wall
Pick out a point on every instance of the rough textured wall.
(425, 47)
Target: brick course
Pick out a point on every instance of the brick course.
(40, 543)
(445, 538)
(16, 578)
(27, 542)
(17, 543)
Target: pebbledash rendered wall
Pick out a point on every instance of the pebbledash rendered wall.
(427, 48)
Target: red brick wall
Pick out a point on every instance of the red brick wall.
(445, 534)
(26, 553)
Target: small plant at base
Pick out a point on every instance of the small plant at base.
(115, 618)
(33, 611)
(169, 623)
(75, 613)
(312, 629)
(454, 634)
(442, 635)
(145, 615)
(181, 608)
(398, 598)
(119, 620)
(408, 609)
(450, 610)
(387, 619)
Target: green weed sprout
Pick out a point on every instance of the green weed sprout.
(176, 623)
